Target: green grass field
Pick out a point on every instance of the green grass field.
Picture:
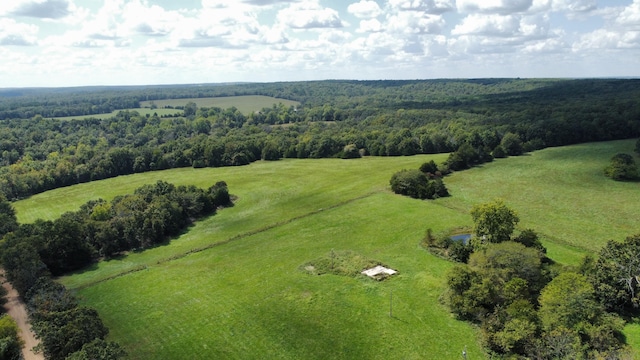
(141, 111)
(246, 297)
(246, 104)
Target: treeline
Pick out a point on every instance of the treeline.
(528, 307)
(476, 120)
(32, 253)
(101, 229)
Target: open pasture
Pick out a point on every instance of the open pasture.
(244, 296)
(141, 111)
(246, 104)
(560, 192)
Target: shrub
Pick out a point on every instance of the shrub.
(414, 183)
(411, 183)
(622, 167)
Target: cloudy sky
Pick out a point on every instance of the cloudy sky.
(111, 42)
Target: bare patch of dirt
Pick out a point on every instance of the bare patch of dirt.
(18, 311)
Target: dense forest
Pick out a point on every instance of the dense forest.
(476, 119)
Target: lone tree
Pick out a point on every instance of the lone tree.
(494, 220)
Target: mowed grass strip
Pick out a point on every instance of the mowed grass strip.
(246, 103)
(250, 300)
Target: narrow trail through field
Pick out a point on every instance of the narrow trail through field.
(18, 311)
(229, 240)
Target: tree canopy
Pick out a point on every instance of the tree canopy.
(494, 220)
(469, 118)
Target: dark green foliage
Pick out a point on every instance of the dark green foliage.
(414, 183)
(469, 295)
(507, 261)
(637, 148)
(467, 156)
(568, 302)
(511, 329)
(190, 109)
(47, 296)
(429, 167)
(615, 274)
(65, 332)
(8, 220)
(496, 276)
(439, 189)
(512, 144)
(220, 194)
(385, 118)
(622, 167)
(411, 183)
(499, 152)
(271, 151)
(99, 229)
(500, 289)
(350, 151)
(459, 251)
(10, 341)
(443, 245)
(99, 349)
(21, 261)
(529, 238)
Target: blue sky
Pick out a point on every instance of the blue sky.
(123, 42)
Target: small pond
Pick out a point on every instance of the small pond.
(461, 237)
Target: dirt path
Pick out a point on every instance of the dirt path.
(18, 311)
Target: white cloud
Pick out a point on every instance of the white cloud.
(494, 6)
(488, 25)
(139, 17)
(605, 39)
(546, 46)
(43, 9)
(429, 6)
(371, 25)
(512, 26)
(144, 41)
(630, 16)
(365, 9)
(415, 22)
(310, 15)
(574, 6)
(17, 34)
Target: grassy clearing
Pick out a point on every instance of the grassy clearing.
(141, 111)
(560, 192)
(246, 104)
(248, 298)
